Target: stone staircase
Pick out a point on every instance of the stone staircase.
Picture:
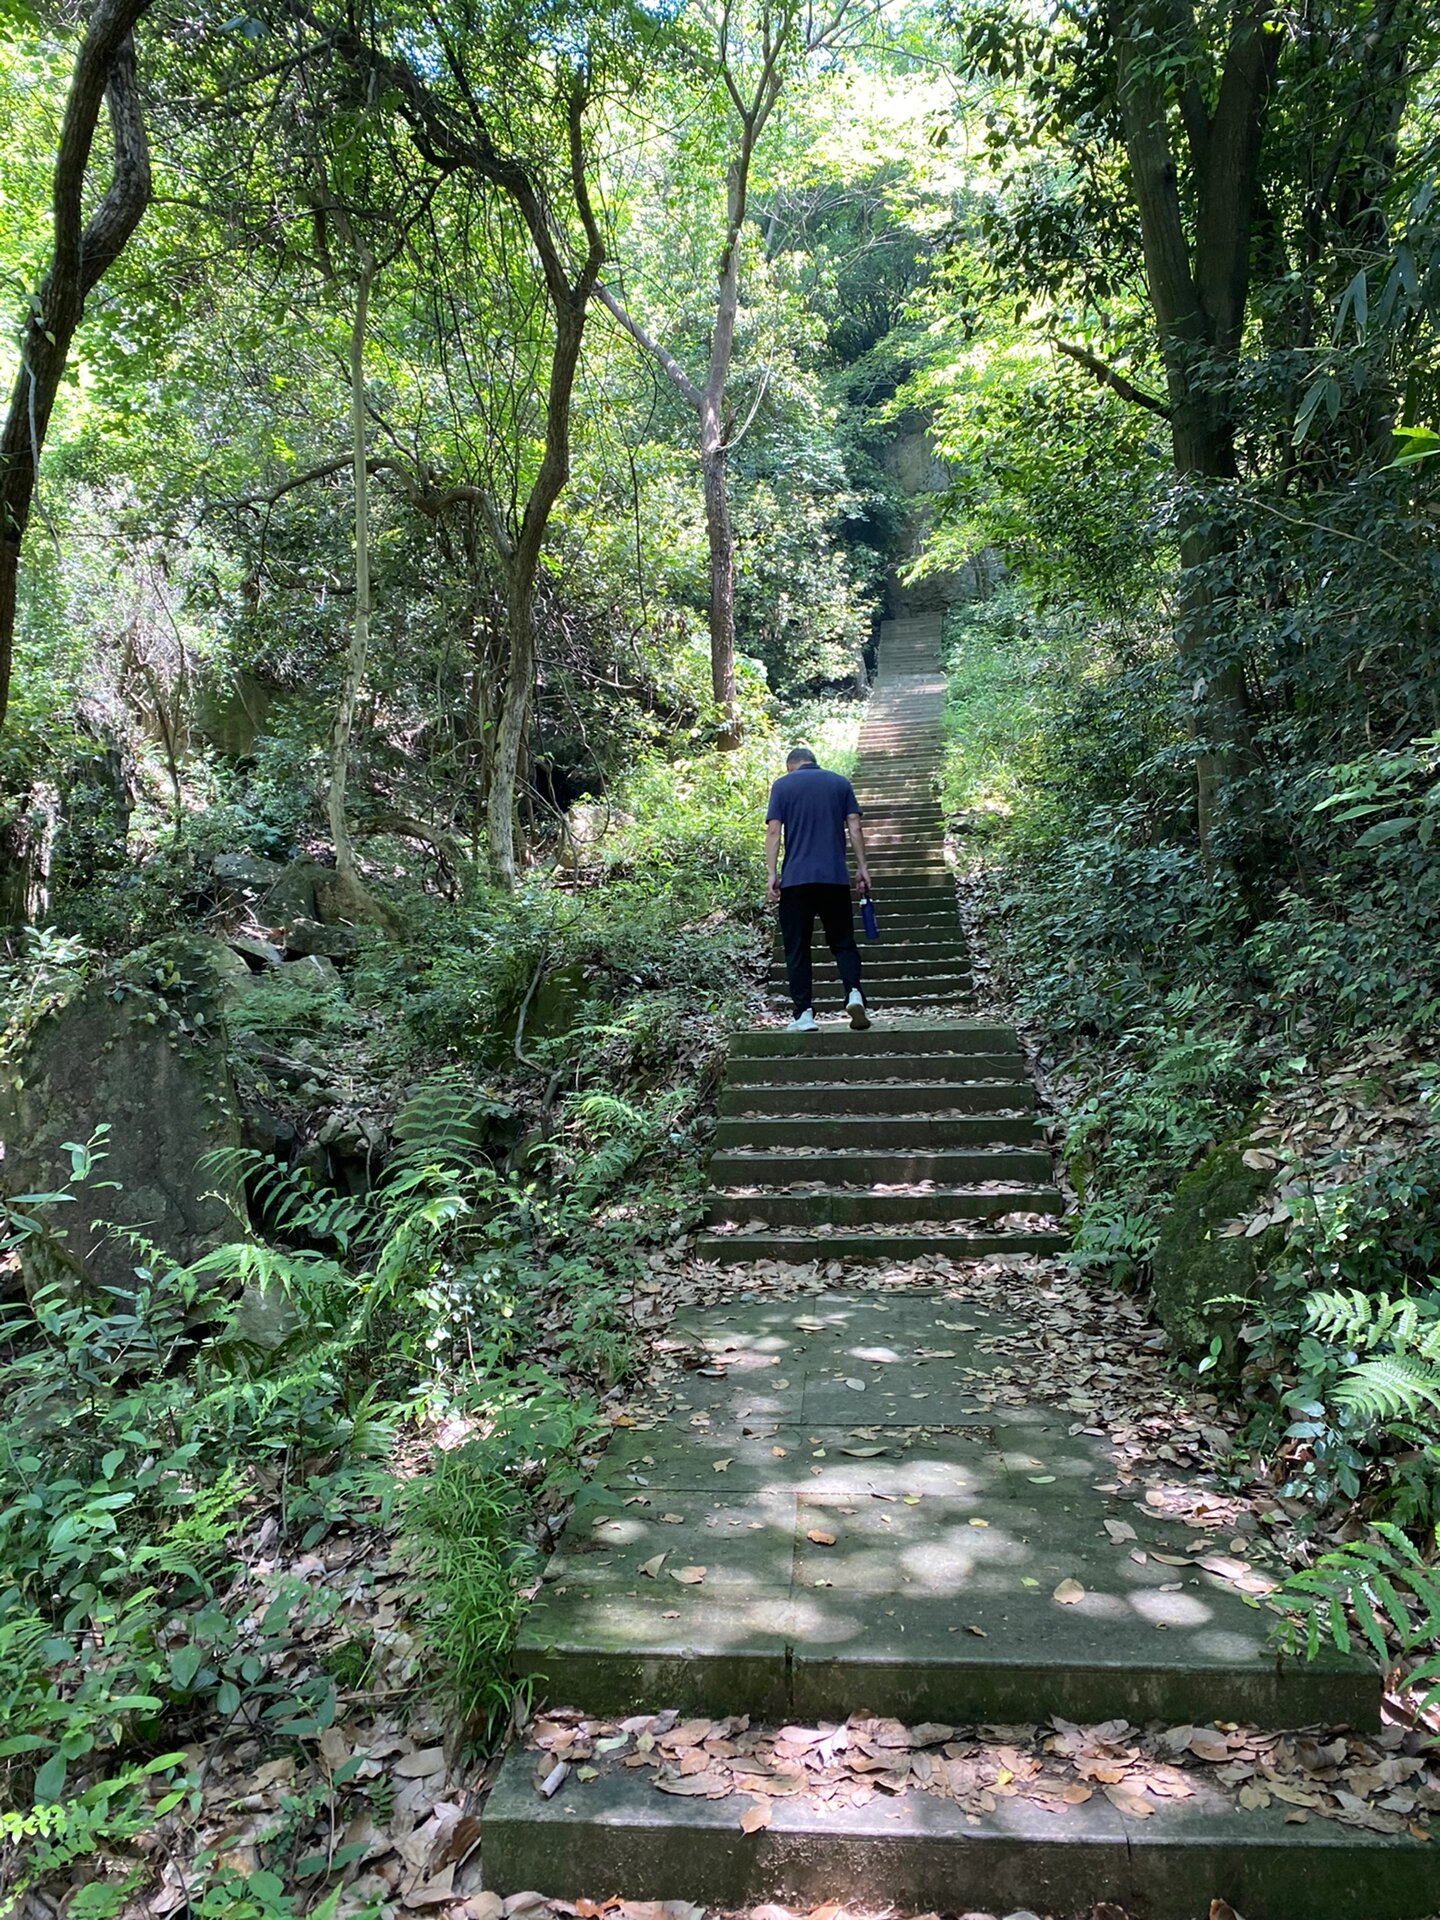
(845, 1501)
(917, 1137)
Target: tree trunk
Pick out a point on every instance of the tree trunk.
(722, 581)
(81, 255)
(1199, 300)
(350, 899)
(510, 733)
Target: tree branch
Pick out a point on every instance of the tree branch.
(1111, 377)
(664, 359)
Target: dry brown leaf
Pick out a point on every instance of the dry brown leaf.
(688, 1576)
(1134, 1804)
(1119, 1530)
(820, 1537)
(1069, 1593)
(1222, 1910)
(420, 1764)
(698, 1786)
(1075, 1794)
(756, 1816)
(651, 1568)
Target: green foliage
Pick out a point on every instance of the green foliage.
(1402, 1378)
(1385, 1586)
(468, 1561)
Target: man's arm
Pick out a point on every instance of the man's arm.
(772, 860)
(857, 841)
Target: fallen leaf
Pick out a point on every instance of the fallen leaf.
(855, 1386)
(1075, 1794)
(1069, 1593)
(757, 1815)
(1125, 1801)
(651, 1568)
(1119, 1530)
(821, 1539)
(979, 1523)
(695, 1786)
(688, 1576)
(416, 1766)
(721, 1466)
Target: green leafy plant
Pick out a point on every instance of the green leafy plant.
(1383, 1583)
(1399, 1380)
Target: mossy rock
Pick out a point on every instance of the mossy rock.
(567, 997)
(1202, 1278)
(142, 1051)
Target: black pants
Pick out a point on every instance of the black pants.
(798, 908)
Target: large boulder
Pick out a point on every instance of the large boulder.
(1203, 1277)
(231, 711)
(142, 1052)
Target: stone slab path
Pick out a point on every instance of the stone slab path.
(860, 1499)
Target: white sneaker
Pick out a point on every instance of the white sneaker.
(856, 1008)
(804, 1023)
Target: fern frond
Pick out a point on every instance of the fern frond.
(441, 1121)
(1390, 1387)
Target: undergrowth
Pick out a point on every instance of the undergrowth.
(552, 1054)
(1181, 1009)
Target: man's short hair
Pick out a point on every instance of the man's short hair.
(800, 757)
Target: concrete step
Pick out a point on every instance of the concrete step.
(959, 1038)
(842, 1207)
(799, 1249)
(946, 1166)
(885, 1003)
(868, 1071)
(897, 969)
(921, 1853)
(885, 1132)
(890, 998)
(797, 1099)
(894, 948)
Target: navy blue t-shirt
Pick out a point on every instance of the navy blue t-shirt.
(812, 804)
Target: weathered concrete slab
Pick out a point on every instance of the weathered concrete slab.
(617, 1835)
(860, 1495)
(717, 1651)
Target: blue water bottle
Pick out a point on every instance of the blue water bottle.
(867, 917)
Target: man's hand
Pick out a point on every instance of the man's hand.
(772, 890)
(862, 879)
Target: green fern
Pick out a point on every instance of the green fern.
(443, 1120)
(293, 1199)
(1381, 1582)
(1394, 1387)
(1401, 1377)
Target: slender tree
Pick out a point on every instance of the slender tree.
(550, 192)
(82, 252)
(751, 57)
